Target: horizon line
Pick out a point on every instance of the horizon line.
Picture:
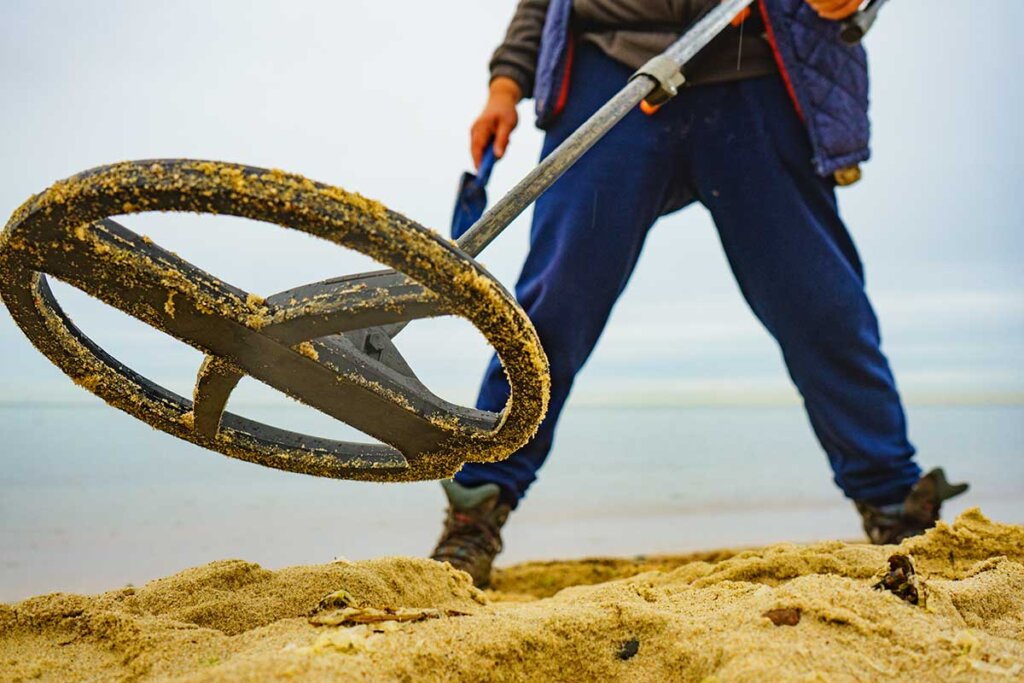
(724, 399)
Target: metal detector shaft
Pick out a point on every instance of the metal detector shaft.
(506, 209)
(660, 74)
(646, 81)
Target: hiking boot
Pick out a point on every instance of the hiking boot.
(472, 532)
(891, 524)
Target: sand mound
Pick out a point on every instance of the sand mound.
(783, 612)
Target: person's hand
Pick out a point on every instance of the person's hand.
(497, 120)
(835, 9)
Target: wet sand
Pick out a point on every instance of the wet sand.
(783, 612)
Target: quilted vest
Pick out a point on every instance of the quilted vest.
(826, 79)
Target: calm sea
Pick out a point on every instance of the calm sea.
(91, 500)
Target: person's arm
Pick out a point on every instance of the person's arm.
(835, 9)
(513, 68)
(516, 57)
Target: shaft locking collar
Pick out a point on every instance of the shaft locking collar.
(668, 76)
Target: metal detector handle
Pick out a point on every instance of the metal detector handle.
(856, 27)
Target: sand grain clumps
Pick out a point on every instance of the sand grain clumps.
(785, 612)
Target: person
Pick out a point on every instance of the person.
(772, 118)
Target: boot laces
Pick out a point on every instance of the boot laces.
(475, 532)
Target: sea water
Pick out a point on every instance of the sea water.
(91, 499)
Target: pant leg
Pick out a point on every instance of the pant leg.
(749, 158)
(587, 233)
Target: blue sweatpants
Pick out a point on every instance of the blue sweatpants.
(742, 151)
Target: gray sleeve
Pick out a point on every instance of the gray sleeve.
(516, 57)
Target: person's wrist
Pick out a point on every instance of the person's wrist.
(835, 10)
(505, 88)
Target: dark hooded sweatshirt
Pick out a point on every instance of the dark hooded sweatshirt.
(633, 31)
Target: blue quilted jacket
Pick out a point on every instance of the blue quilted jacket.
(827, 80)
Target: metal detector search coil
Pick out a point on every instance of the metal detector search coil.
(318, 343)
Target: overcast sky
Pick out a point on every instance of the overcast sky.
(377, 97)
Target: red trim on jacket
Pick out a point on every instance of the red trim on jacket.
(563, 90)
(770, 32)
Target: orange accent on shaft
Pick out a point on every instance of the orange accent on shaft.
(741, 17)
(649, 109)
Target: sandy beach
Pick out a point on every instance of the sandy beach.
(782, 612)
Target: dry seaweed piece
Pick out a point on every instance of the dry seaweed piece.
(901, 580)
(350, 616)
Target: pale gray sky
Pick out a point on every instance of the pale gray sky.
(377, 97)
